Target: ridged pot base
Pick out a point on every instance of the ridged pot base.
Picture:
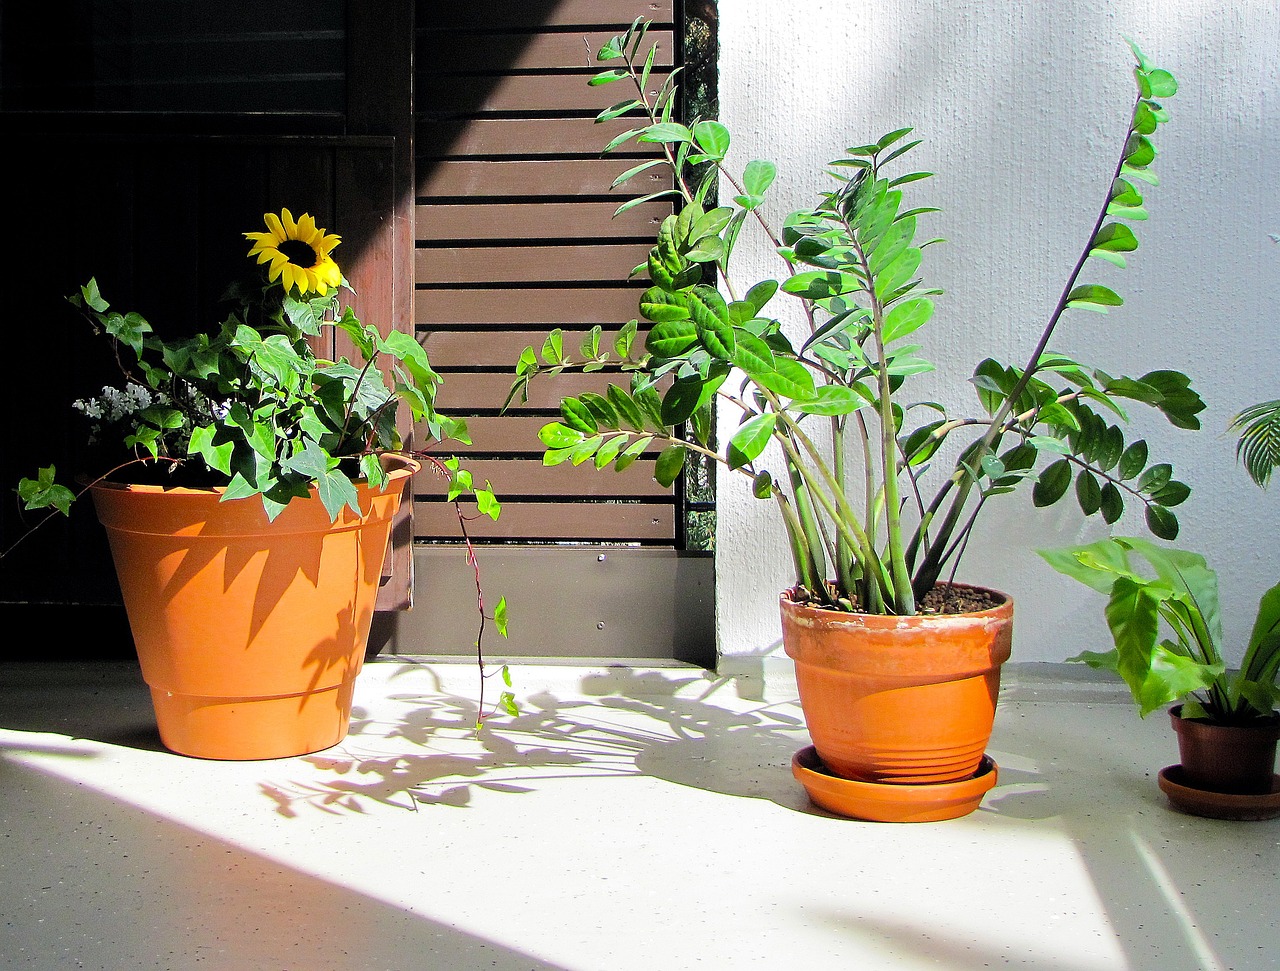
(892, 802)
(254, 728)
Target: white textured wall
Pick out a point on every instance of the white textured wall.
(1022, 107)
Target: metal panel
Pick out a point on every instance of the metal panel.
(597, 602)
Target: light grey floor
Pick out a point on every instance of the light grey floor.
(629, 818)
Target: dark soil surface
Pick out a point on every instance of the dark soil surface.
(944, 598)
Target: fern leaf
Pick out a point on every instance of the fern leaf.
(1259, 444)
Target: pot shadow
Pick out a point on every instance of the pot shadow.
(98, 702)
(619, 725)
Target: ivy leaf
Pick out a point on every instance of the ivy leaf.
(43, 492)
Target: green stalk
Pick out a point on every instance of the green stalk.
(903, 595)
(798, 542)
(837, 507)
(808, 520)
(934, 558)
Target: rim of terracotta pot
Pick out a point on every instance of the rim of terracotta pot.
(187, 510)
(882, 635)
(1268, 724)
(396, 466)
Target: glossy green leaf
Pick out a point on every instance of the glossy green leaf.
(832, 399)
(670, 462)
(1162, 522)
(632, 452)
(758, 175)
(1112, 504)
(1088, 492)
(1133, 460)
(750, 439)
(1091, 296)
(578, 416)
(906, 317)
(712, 137)
(1174, 493)
(1155, 478)
(556, 436)
(820, 284)
(671, 338)
(897, 273)
(666, 133)
(1052, 483)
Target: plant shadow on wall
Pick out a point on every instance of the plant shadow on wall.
(618, 725)
(878, 492)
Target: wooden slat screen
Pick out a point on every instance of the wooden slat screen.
(515, 235)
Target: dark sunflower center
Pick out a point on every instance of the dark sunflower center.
(299, 253)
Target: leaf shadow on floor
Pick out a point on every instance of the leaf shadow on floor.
(689, 731)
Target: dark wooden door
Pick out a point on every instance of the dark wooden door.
(142, 140)
(516, 235)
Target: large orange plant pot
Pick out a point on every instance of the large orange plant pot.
(898, 700)
(250, 633)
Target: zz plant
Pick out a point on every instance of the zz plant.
(826, 429)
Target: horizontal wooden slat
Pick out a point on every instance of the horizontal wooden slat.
(581, 521)
(535, 177)
(470, 53)
(518, 307)
(463, 348)
(524, 136)
(452, 265)
(529, 477)
(542, 13)
(501, 435)
(464, 393)
(450, 96)
(537, 220)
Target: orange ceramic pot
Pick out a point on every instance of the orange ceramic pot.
(249, 632)
(907, 700)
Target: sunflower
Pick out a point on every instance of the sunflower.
(297, 251)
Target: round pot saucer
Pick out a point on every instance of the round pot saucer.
(1218, 805)
(891, 802)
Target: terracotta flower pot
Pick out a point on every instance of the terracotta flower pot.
(906, 700)
(1238, 759)
(249, 632)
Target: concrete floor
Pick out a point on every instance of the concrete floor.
(629, 818)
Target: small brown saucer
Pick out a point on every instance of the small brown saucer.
(1218, 805)
(891, 802)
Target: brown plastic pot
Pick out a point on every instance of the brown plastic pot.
(1237, 759)
(905, 700)
(249, 632)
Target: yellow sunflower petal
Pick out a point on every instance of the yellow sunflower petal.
(306, 228)
(290, 227)
(273, 224)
